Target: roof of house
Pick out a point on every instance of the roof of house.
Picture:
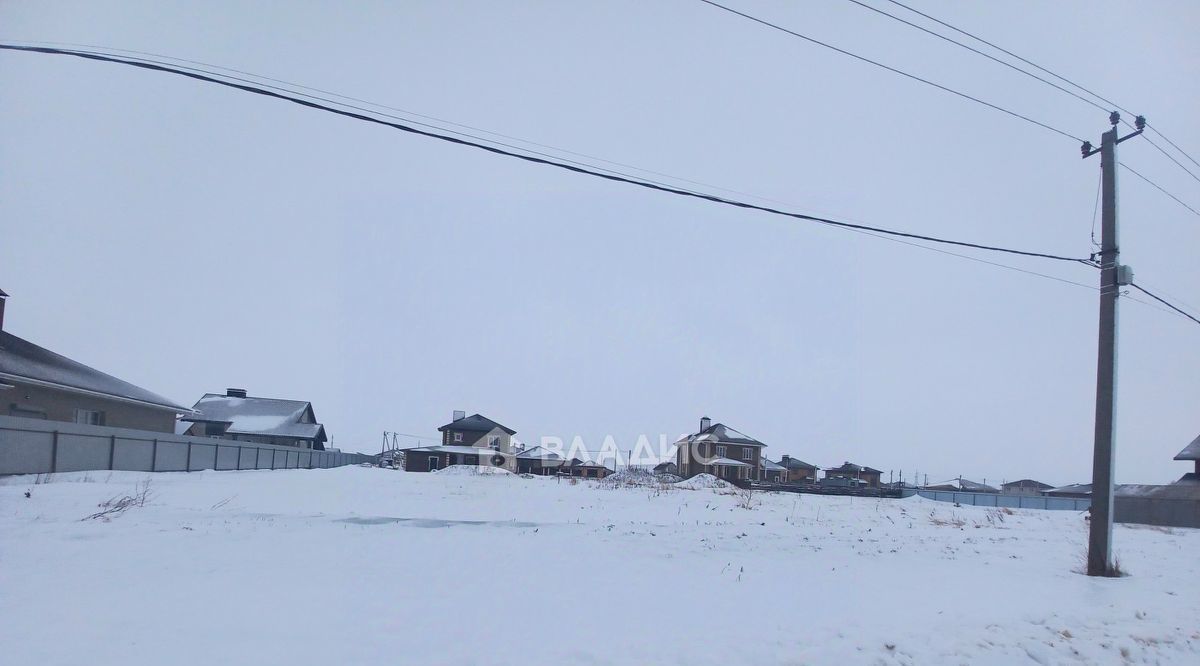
(796, 463)
(1085, 488)
(21, 360)
(1027, 483)
(727, 462)
(851, 468)
(272, 417)
(538, 453)
(665, 465)
(964, 485)
(476, 423)
(719, 432)
(767, 464)
(1191, 451)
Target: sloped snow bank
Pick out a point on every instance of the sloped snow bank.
(702, 481)
(472, 470)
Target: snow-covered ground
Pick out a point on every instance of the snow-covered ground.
(371, 566)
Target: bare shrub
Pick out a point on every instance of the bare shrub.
(116, 505)
(952, 521)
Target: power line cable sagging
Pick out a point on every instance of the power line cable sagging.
(576, 167)
(1163, 301)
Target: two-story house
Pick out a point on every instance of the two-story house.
(245, 418)
(466, 440)
(850, 474)
(720, 451)
(798, 470)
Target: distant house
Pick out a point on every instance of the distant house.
(541, 461)
(772, 472)
(589, 470)
(1024, 487)
(849, 474)
(1074, 490)
(466, 440)
(719, 450)
(1191, 452)
(798, 470)
(964, 486)
(667, 467)
(477, 430)
(36, 383)
(244, 418)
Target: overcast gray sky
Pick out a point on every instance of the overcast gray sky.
(188, 237)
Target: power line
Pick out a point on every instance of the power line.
(1172, 158)
(1163, 301)
(889, 68)
(408, 112)
(1093, 93)
(1159, 188)
(1181, 150)
(977, 38)
(531, 158)
(985, 55)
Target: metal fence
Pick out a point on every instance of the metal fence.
(1001, 500)
(35, 446)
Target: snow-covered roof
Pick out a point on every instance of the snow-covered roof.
(1072, 488)
(964, 485)
(23, 361)
(1191, 451)
(727, 462)
(538, 453)
(719, 432)
(476, 423)
(767, 464)
(1027, 483)
(259, 416)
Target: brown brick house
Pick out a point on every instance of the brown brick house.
(798, 470)
(721, 451)
(855, 475)
(466, 440)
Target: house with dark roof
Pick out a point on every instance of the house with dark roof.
(1191, 452)
(1024, 487)
(849, 474)
(721, 451)
(40, 384)
(667, 467)
(468, 440)
(245, 418)
(798, 470)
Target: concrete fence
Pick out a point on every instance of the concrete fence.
(1000, 500)
(36, 446)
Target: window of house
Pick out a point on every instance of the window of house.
(494, 442)
(89, 416)
(720, 451)
(26, 411)
(747, 454)
(458, 436)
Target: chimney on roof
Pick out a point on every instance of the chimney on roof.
(3, 297)
(235, 392)
(785, 459)
(705, 423)
(459, 415)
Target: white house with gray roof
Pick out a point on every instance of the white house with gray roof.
(244, 418)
